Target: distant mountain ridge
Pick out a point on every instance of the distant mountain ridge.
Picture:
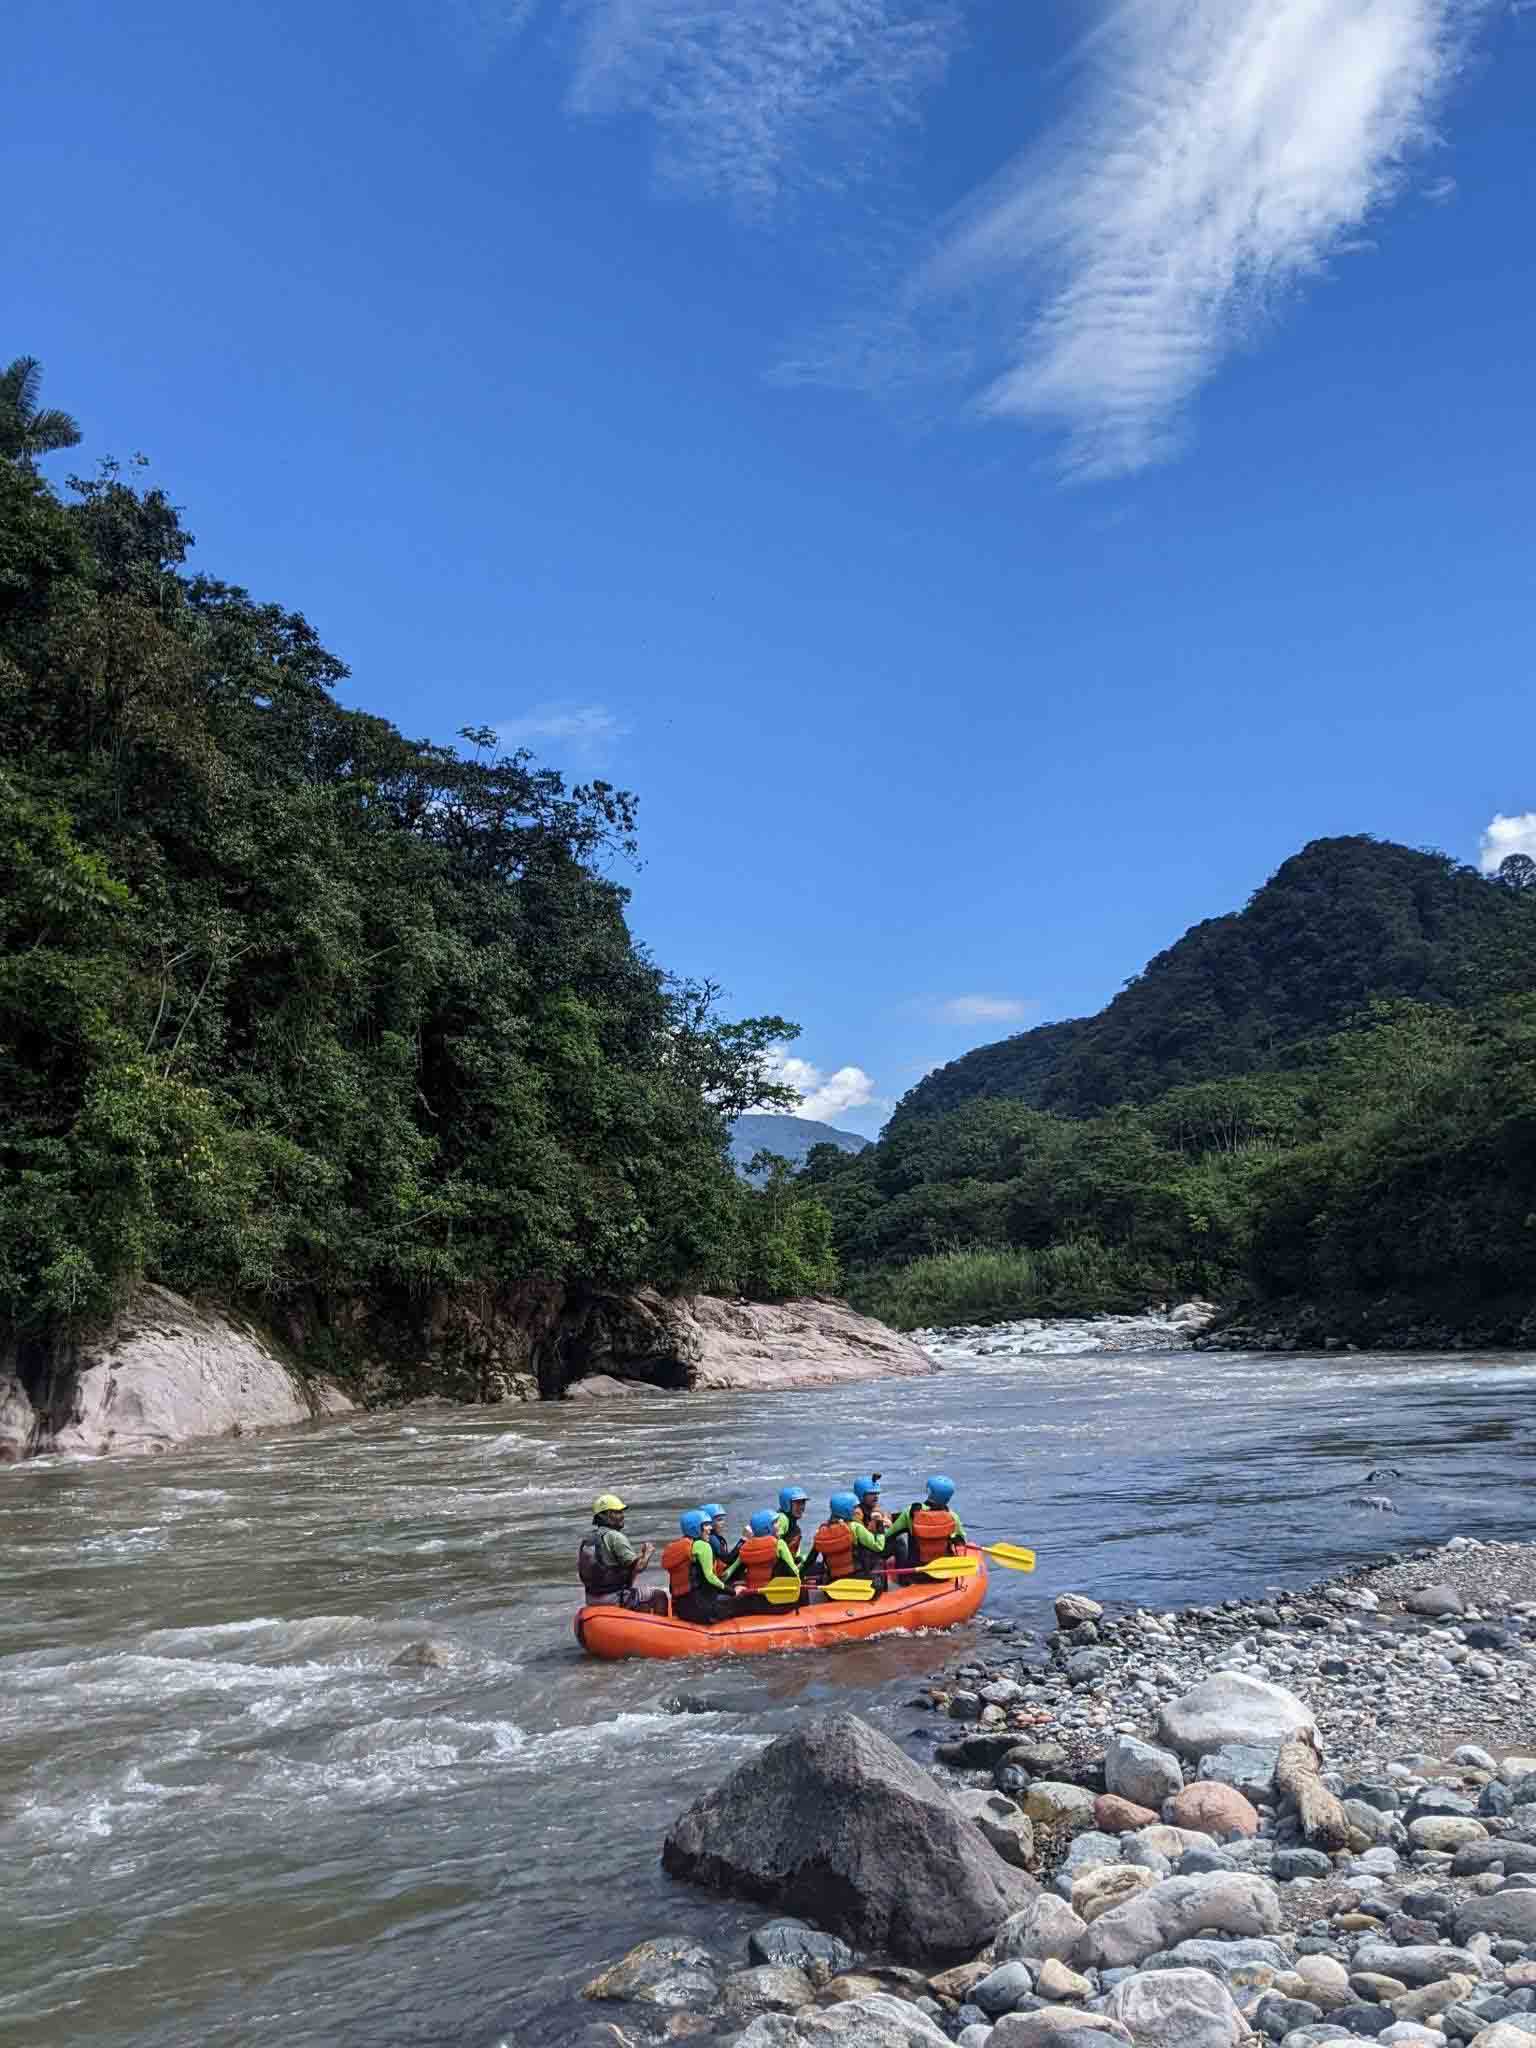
(792, 1137)
(1344, 921)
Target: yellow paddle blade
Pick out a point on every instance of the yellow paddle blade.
(950, 1568)
(849, 1590)
(781, 1592)
(1013, 1555)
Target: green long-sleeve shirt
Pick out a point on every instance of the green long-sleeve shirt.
(781, 1530)
(704, 1558)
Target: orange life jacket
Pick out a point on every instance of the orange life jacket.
(933, 1530)
(759, 1560)
(677, 1563)
(835, 1542)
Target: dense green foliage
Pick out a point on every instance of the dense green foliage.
(1342, 923)
(291, 1005)
(1392, 1158)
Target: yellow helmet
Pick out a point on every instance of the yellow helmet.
(607, 1504)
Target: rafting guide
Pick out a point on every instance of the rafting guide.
(859, 1573)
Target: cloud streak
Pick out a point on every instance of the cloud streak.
(583, 729)
(987, 1009)
(1218, 153)
(755, 100)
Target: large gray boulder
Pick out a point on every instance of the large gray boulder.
(1177, 2009)
(1222, 1901)
(1230, 1707)
(836, 1824)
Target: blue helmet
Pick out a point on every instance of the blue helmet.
(864, 1486)
(788, 1495)
(692, 1523)
(764, 1522)
(843, 1505)
(941, 1491)
(712, 1511)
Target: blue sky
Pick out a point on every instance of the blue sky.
(994, 479)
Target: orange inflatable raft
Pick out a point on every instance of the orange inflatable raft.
(917, 1603)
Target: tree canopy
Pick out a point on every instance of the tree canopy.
(292, 1004)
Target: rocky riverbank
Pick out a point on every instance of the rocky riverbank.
(1303, 1819)
(167, 1371)
(1385, 1324)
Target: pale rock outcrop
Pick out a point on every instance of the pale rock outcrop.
(18, 1418)
(167, 1373)
(710, 1344)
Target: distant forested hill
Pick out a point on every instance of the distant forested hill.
(1340, 923)
(788, 1137)
(1322, 1106)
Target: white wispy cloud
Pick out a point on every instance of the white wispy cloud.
(1503, 836)
(1441, 190)
(1217, 153)
(987, 1009)
(753, 99)
(824, 1096)
(587, 730)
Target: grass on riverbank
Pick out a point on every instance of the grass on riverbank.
(1078, 1278)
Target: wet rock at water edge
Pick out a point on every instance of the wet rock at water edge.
(430, 1656)
(1073, 1609)
(800, 1947)
(765, 1987)
(831, 1821)
(671, 1972)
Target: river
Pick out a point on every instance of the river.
(225, 1818)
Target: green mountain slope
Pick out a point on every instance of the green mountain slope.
(1323, 1107)
(1340, 923)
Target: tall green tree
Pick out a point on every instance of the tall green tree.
(29, 429)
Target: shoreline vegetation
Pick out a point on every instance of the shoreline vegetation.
(1306, 1817)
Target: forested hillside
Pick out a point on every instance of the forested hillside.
(1386, 1162)
(1342, 923)
(292, 1005)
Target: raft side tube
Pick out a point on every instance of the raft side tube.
(614, 1632)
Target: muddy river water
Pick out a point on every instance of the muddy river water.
(227, 1817)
